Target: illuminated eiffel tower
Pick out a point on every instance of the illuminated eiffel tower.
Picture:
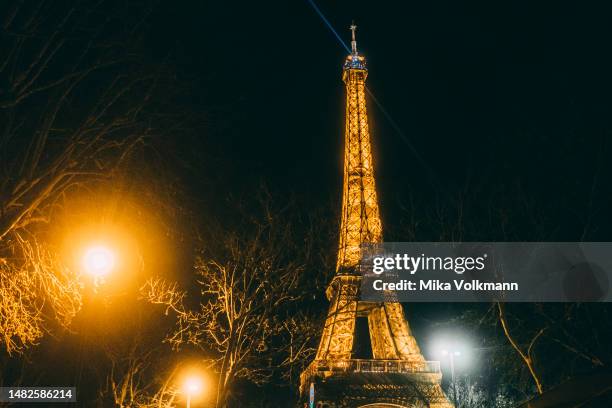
(396, 373)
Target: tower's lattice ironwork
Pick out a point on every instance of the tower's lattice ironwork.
(398, 374)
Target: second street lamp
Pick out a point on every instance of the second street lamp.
(452, 354)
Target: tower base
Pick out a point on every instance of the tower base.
(335, 388)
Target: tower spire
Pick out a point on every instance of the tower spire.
(353, 28)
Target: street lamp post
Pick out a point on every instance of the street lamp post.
(191, 387)
(451, 355)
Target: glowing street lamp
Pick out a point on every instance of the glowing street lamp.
(98, 261)
(192, 386)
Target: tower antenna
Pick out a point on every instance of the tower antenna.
(353, 28)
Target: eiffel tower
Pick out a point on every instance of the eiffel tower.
(396, 374)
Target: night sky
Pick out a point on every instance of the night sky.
(486, 98)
